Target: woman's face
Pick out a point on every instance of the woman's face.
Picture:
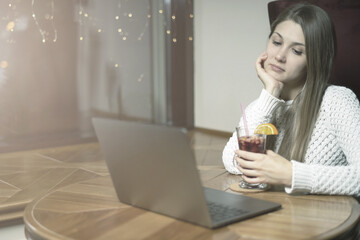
(286, 61)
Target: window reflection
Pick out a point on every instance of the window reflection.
(63, 62)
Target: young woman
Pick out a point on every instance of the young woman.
(317, 149)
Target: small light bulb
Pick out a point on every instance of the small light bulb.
(4, 64)
(10, 26)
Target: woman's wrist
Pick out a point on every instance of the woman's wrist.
(288, 179)
(274, 91)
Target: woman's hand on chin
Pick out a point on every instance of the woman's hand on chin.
(271, 85)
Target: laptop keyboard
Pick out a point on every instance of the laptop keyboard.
(220, 212)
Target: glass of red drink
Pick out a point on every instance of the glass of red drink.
(253, 143)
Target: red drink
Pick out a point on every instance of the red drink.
(254, 143)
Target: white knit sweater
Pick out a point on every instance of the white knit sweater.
(332, 159)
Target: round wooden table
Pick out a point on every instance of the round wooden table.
(25, 175)
(91, 210)
(67, 194)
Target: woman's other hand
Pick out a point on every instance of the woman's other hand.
(264, 168)
(271, 85)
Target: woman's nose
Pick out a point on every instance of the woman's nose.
(281, 56)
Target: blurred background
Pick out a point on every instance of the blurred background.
(63, 62)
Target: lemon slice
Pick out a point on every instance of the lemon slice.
(267, 129)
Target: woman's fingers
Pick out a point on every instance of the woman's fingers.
(251, 180)
(246, 167)
(271, 85)
(249, 155)
(270, 167)
(260, 66)
(248, 172)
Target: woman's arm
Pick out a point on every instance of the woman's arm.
(337, 172)
(259, 111)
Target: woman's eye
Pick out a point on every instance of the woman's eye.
(276, 43)
(297, 52)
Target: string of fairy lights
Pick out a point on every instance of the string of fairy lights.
(85, 17)
(49, 34)
(49, 16)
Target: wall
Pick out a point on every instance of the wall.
(228, 37)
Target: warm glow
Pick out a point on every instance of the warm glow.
(4, 64)
(10, 26)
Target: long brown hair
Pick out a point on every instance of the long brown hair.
(320, 45)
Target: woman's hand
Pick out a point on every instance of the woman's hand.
(271, 85)
(264, 168)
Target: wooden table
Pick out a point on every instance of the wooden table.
(90, 210)
(67, 194)
(28, 174)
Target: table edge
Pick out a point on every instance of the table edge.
(347, 225)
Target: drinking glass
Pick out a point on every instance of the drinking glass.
(253, 143)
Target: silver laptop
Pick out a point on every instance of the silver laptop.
(153, 167)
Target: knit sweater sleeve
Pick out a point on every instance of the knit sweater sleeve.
(340, 174)
(259, 111)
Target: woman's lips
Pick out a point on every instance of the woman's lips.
(276, 68)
